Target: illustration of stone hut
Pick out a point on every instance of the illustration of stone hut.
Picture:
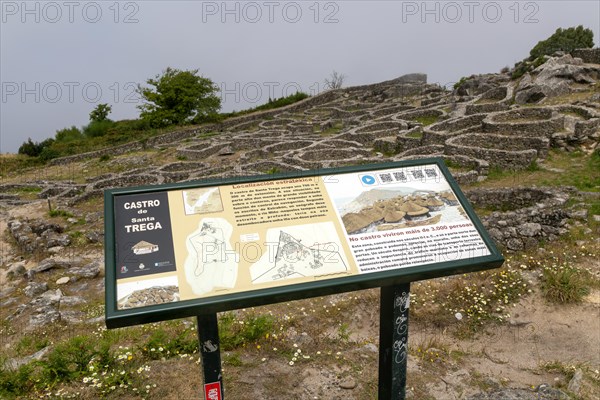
(144, 247)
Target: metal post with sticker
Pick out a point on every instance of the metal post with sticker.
(393, 341)
(210, 352)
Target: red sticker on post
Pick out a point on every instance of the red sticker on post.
(212, 391)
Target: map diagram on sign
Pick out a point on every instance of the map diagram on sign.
(300, 251)
(204, 200)
(211, 262)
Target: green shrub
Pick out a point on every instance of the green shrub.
(533, 166)
(521, 68)
(460, 82)
(35, 149)
(29, 148)
(162, 344)
(564, 40)
(48, 153)
(129, 125)
(97, 128)
(283, 101)
(211, 118)
(68, 135)
(68, 360)
(15, 382)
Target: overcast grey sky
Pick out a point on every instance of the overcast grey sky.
(59, 59)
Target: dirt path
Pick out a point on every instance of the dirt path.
(519, 353)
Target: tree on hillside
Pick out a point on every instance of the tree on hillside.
(178, 97)
(335, 81)
(100, 113)
(34, 149)
(30, 148)
(564, 40)
(99, 122)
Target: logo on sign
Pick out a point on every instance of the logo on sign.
(368, 179)
(212, 391)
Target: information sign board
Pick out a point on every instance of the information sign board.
(195, 248)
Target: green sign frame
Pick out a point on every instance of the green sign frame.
(116, 317)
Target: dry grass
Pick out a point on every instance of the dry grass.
(559, 169)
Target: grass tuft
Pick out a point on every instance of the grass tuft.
(60, 213)
(564, 284)
(234, 333)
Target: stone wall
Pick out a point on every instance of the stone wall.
(510, 198)
(498, 150)
(111, 151)
(591, 56)
(390, 110)
(434, 137)
(390, 126)
(533, 122)
(457, 124)
(534, 215)
(412, 115)
(200, 151)
(478, 108)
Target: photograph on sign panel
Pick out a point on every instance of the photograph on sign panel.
(300, 251)
(147, 292)
(211, 261)
(202, 201)
(395, 199)
(385, 209)
(402, 217)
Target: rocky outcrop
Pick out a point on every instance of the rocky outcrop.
(37, 235)
(555, 78)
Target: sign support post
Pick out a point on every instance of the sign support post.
(393, 341)
(208, 336)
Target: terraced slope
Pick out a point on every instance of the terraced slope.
(527, 154)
